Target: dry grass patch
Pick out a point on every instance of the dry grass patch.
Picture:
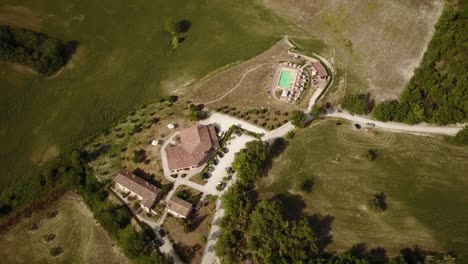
(246, 85)
(20, 17)
(67, 224)
(381, 41)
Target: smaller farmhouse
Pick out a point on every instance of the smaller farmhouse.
(178, 207)
(197, 144)
(147, 193)
(320, 69)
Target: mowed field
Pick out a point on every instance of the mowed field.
(424, 179)
(123, 60)
(75, 230)
(377, 42)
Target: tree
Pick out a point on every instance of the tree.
(298, 118)
(315, 112)
(378, 202)
(251, 161)
(306, 185)
(358, 103)
(197, 115)
(38, 51)
(371, 155)
(178, 29)
(277, 240)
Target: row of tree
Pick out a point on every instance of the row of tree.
(44, 54)
(438, 91)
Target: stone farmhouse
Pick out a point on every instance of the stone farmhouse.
(147, 193)
(197, 144)
(178, 207)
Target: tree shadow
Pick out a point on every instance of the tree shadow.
(294, 205)
(92, 155)
(146, 176)
(376, 255)
(278, 147)
(416, 254)
(70, 49)
(322, 225)
(196, 222)
(359, 250)
(184, 25)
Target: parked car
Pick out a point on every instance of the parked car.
(357, 126)
(370, 124)
(338, 123)
(221, 186)
(159, 242)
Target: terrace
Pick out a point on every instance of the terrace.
(291, 81)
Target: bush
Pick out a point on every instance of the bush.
(49, 237)
(52, 214)
(290, 135)
(461, 138)
(358, 103)
(55, 251)
(371, 155)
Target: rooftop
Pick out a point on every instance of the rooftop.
(320, 69)
(143, 188)
(179, 206)
(195, 144)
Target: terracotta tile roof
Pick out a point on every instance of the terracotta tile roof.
(320, 69)
(195, 144)
(148, 191)
(179, 206)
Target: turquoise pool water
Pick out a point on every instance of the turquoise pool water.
(285, 80)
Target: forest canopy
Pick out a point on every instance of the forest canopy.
(42, 53)
(438, 91)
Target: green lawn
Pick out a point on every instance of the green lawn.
(123, 60)
(424, 179)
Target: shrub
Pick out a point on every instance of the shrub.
(371, 155)
(378, 202)
(55, 251)
(49, 237)
(298, 118)
(52, 214)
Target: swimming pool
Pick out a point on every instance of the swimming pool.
(285, 79)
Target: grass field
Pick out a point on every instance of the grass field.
(424, 179)
(381, 42)
(75, 230)
(123, 59)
